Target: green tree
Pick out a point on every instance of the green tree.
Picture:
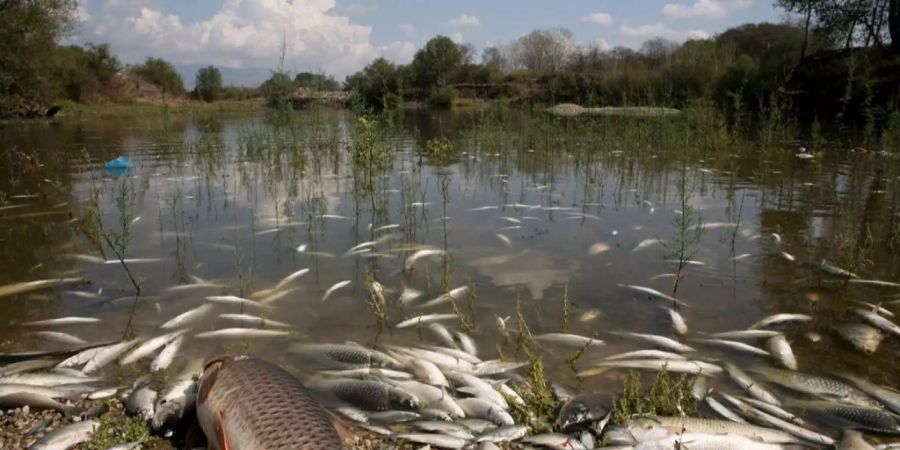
(433, 64)
(852, 22)
(278, 89)
(378, 84)
(82, 73)
(29, 31)
(208, 83)
(316, 81)
(161, 73)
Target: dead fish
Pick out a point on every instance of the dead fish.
(133, 261)
(678, 323)
(341, 356)
(165, 358)
(781, 351)
(148, 347)
(142, 403)
(253, 320)
(862, 336)
(694, 367)
(853, 440)
(583, 410)
(453, 294)
(889, 396)
(598, 248)
(57, 336)
(874, 282)
(429, 373)
(653, 293)
(36, 285)
(242, 400)
(506, 433)
(788, 256)
(477, 407)
(749, 384)
(370, 395)
(770, 420)
(436, 440)
(409, 295)
(646, 243)
(26, 366)
(816, 385)
(108, 354)
(571, 340)
(67, 436)
(745, 334)
(660, 341)
(834, 271)
(62, 321)
(645, 354)
(36, 402)
(425, 318)
(734, 345)
(445, 428)
(242, 333)
(555, 441)
(192, 286)
(235, 300)
(875, 319)
(850, 416)
(171, 405)
(780, 318)
(466, 343)
(722, 410)
(424, 253)
(442, 334)
(334, 288)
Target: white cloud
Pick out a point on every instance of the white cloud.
(464, 20)
(401, 52)
(599, 18)
(701, 9)
(241, 34)
(457, 37)
(742, 4)
(602, 45)
(408, 29)
(643, 32)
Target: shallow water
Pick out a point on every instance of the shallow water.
(230, 200)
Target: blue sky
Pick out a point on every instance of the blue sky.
(245, 37)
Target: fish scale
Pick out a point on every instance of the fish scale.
(260, 406)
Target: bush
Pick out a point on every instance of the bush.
(442, 97)
(208, 83)
(161, 73)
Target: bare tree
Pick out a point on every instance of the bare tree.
(545, 50)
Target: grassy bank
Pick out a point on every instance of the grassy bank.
(107, 110)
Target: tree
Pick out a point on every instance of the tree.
(278, 88)
(29, 31)
(80, 73)
(545, 51)
(161, 73)
(316, 81)
(659, 50)
(208, 83)
(433, 64)
(851, 22)
(377, 84)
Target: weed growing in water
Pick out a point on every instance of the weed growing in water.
(541, 406)
(688, 229)
(665, 397)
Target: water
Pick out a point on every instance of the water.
(230, 199)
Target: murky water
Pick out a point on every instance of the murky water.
(230, 201)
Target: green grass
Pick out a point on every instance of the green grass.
(541, 406)
(117, 429)
(105, 110)
(664, 397)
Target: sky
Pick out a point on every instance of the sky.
(246, 38)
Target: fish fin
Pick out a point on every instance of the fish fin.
(219, 420)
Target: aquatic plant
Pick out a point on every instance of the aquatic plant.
(541, 406)
(664, 397)
(117, 429)
(688, 228)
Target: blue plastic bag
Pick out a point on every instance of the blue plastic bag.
(120, 163)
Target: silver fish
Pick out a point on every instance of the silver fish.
(235, 300)
(427, 372)
(452, 295)
(780, 318)
(173, 402)
(334, 288)
(188, 317)
(62, 321)
(442, 334)
(695, 367)
(165, 358)
(745, 334)
(242, 333)
(424, 319)
(571, 340)
(429, 396)
(645, 354)
(370, 395)
(722, 410)
(419, 255)
(678, 323)
(36, 402)
(850, 416)
(749, 384)
(661, 341)
(253, 320)
(507, 433)
(142, 403)
(445, 428)
(436, 440)
(853, 440)
(556, 441)
(67, 436)
(653, 293)
(875, 319)
(734, 345)
(482, 389)
(57, 336)
(781, 351)
(409, 295)
(47, 379)
(816, 385)
(466, 343)
(148, 347)
(890, 397)
(864, 337)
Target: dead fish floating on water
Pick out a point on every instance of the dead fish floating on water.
(243, 401)
(31, 286)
